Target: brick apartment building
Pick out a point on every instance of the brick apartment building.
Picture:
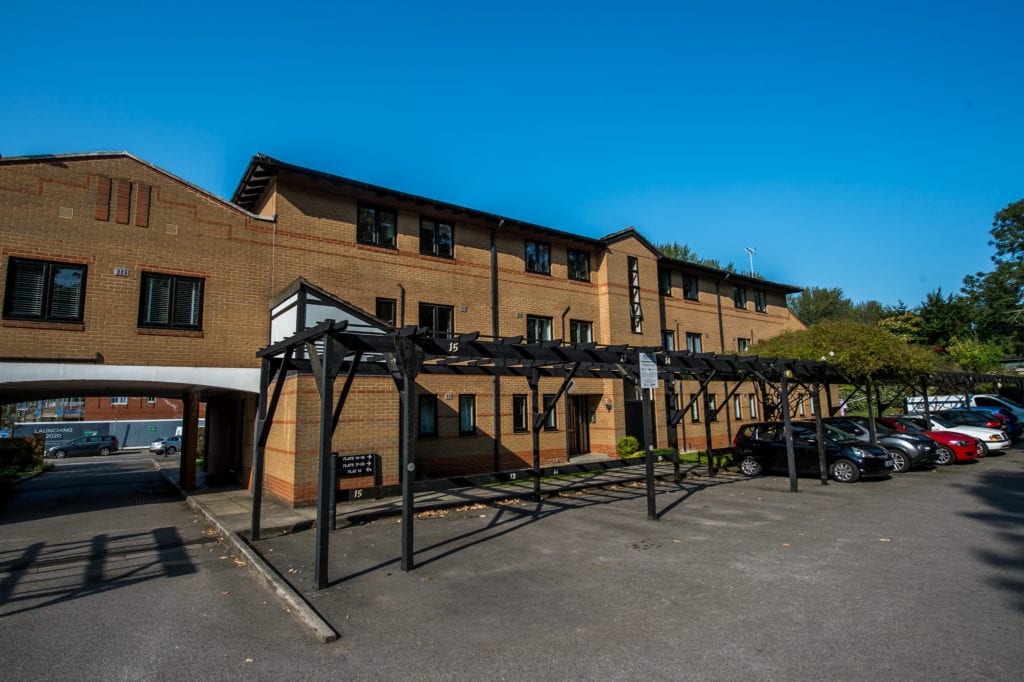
(122, 279)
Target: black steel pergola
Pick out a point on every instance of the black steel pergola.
(330, 350)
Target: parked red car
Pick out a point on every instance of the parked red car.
(953, 447)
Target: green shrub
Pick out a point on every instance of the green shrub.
(628, 447)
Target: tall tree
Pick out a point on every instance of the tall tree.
(816, 304)
(997, 298)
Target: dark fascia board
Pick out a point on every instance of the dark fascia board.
(57, 159)
(262, 162)
(727, 274)
(628, 233)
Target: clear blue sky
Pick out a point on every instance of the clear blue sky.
(862, 145)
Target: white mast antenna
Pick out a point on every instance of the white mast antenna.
(750, 253)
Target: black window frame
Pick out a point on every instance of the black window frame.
(690, 336)
(472, 428)
(374, 238)
(378, 310)
(739, 297)
(665, 282)
(422, 400)
(541, 247)
(536, 318)
(520, 413)
(691, 287)
(429, 243)
(742, 344)
(575, 326)
(172, 302)
(760, 301)
(694, 408)
(48, 301)
(574, 269)
(551, 421)
(432, 327)
(669, 335)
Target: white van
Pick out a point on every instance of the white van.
(949, 402)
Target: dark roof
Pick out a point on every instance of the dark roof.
(262, 168)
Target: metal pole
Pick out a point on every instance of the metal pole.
(534, 392)
(707, 430)
(819, 429)
(673, 435)
(652, 508)
(788, 427)
(259, 449)
(408, 471)
(324, 497)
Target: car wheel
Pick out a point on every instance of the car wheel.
(983, 449)
(171, 451)
(104, 452)
(844, 471)
(900, 461)
(749, 466)
(944, 456)
(60, 454)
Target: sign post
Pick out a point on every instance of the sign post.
(649, 382)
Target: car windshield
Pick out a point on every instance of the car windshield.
(909, 425)
(838, 434)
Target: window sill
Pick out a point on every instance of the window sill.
(546, 275)
(435, 257)
(377, 247)
(40, 324)
(183, 333)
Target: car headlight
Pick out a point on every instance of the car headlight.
(862, 453)
(960, 443)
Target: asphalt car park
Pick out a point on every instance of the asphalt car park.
(912, 577)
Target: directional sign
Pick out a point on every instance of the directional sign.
(648, 371)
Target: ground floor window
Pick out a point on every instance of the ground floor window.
(551, 421)
(467, 414)
(428, 415)
(520, 414)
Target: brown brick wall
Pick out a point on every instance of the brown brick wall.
(112, 213)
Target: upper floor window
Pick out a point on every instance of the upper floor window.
(693, 342)
(579, 265)
(739, 297)
(538, 329)
(171, 301)
(150, 399)
(437, 238)
(376, 226)
(581, 331)
(39, 290)
(386, 310)
(538, 257)
(665, 282)
(438, 319)
(668, 340)
(742, 345)
(760, 304)
(690, 288)
(119, 400)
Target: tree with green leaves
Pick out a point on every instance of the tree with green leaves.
(816, 304)
(996, 298)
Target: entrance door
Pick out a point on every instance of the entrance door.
(579, 425)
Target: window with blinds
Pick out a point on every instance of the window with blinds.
(45, 291)
(171, 301)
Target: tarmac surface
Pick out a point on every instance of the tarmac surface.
(920, 576)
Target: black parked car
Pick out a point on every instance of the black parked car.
(908, 450)
(84, 445)
(761, 448)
